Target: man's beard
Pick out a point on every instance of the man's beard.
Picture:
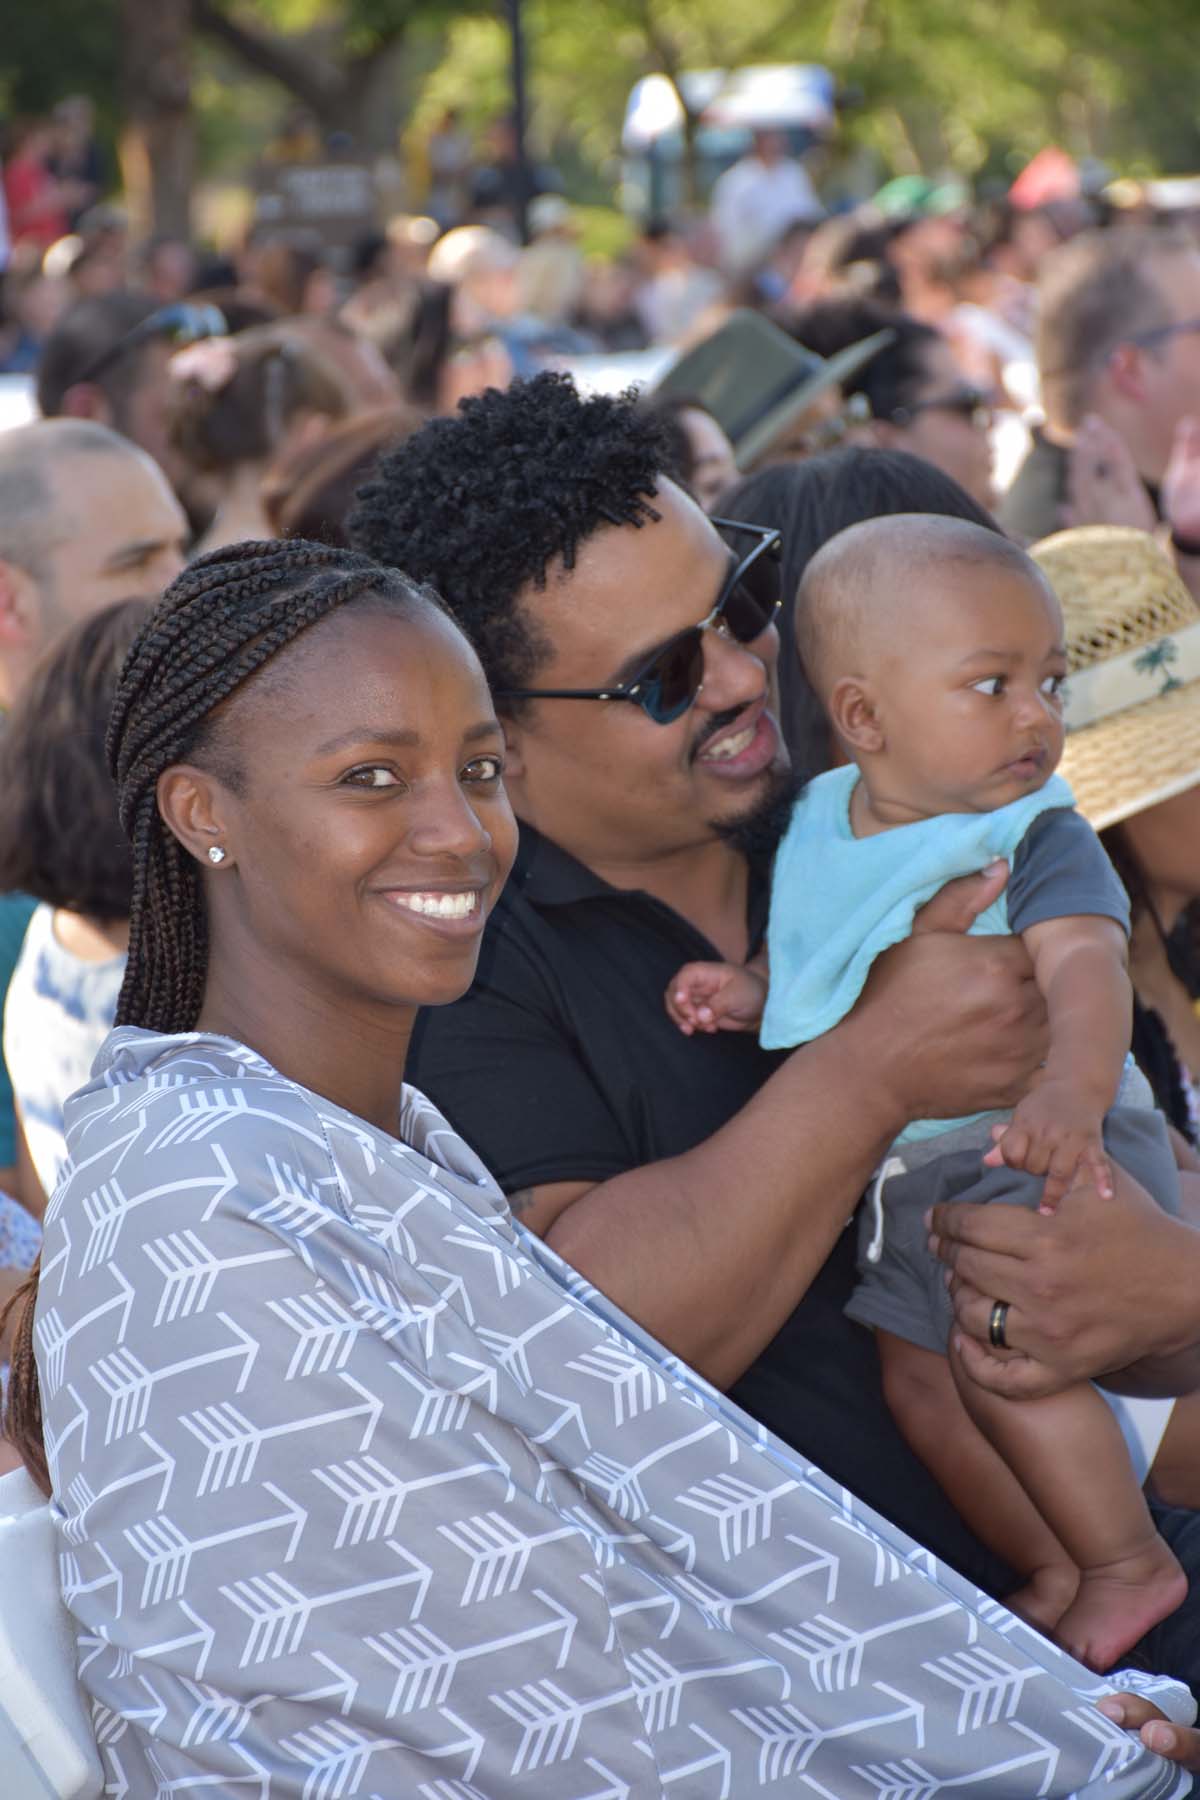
(757, 833)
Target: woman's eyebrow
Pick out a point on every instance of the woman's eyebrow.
(405, 739)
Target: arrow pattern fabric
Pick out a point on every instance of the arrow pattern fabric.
(362, 1492)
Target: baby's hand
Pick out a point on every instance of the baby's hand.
(716, 997)
(1055, 1131)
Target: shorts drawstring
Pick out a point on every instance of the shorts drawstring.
(891, 1165)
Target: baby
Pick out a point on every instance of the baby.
(937, 649)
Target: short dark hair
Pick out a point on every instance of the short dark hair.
(892, 376)
(84, 333)
(810, 502)
(481, 504)
(60, 838)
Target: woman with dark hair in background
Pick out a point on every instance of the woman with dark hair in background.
(235, 405)
(810, 502)
(61, 842)
(919, 397)
(700, 455)
(308, 492)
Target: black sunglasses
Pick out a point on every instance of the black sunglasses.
(969, 403)
(666, 684)
(181, 323)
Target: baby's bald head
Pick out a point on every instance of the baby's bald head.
(868, 594)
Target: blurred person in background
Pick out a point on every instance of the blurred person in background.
(309, 490)
(927, 221)
(364, 370)
(491, 338)
(809, 503)
(846, 255)
(608, 306)
(235, 404)
(75, 156)
(753, 203)
(448, 156)
(37, 202)
(61, 843)
(699, 455)
(294, 277)
(31, 303)
(550, 273)
(106, 360)
(85, 517)
(168, 268)
(1118, 352)
(674, 291)
(920, 400)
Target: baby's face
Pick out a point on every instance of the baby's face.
(968, 692)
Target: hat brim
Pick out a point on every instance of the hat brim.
(834, 370)
(1136, 758)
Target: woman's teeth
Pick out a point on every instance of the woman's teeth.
(440, 906)
(731, 746)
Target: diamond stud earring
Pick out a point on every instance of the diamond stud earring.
(216, 854)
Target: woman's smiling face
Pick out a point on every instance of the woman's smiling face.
(367, 830)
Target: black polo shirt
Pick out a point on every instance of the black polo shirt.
(560, 1064)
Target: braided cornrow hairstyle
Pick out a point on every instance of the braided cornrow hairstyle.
(224, 618)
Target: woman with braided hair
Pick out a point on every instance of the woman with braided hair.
(359, 1490)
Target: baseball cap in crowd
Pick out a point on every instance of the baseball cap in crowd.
(1132, 701)
(756, 381)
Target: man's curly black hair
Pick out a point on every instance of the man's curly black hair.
(481, 504)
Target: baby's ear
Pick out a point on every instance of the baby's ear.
(854, 715)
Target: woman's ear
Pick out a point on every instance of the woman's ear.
(195, 808)
(855, 716)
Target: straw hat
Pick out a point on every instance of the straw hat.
(1133, 661)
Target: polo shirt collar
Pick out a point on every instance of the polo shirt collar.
(548, 876)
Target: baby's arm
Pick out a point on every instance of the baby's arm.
(1081, 967)
(713, 996)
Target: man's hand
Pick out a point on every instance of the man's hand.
(1055, 1131)
(1181, 482)
(1104, 1284)
(961, 1015)
(1178, 1743)
(711, 996)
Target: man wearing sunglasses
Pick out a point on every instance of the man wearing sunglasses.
(1118, 350)
(106, 360)
(704, 1185)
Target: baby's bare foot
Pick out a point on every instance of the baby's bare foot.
(1046, 1596)
(1118, 1602)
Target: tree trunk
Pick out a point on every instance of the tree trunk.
(158, 151)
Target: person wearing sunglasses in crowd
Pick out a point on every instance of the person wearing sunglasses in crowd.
(1118, 352)
(918, 396)
(704, 1185)
(107, 359)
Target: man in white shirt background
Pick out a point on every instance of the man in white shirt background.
(755, 201)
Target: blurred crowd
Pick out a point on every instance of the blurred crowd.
(1026, 362)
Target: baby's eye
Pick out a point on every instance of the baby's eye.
(991, 685)
(372, 775)
(1053, 686)
(484, 769)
